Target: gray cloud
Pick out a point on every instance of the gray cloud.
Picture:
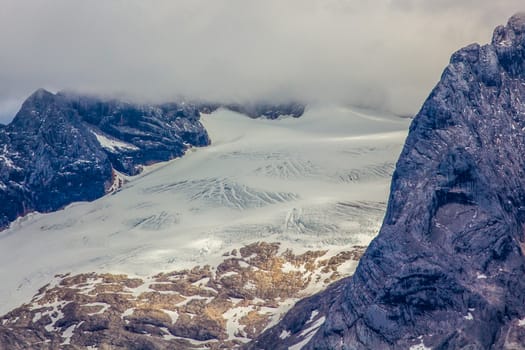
(383, 53)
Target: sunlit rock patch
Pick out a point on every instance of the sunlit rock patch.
(214, 307)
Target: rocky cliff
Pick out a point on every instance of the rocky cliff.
(64, 147)
(447, 268)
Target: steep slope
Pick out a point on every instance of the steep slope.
(61, 148)
(446, 270)
(260, 181)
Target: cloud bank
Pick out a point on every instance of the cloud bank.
(384, 54)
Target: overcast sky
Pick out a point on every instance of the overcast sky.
(384, 54)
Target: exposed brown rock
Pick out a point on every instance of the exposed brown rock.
(219, 308)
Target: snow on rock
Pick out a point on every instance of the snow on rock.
(308, 333)
(192, 306)
(172, 314)
(68, 333)
(114, 145)
(103, 307)
(420, 346)
(284, 334)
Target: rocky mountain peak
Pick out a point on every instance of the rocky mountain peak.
(512, 34)
(517, 23)
(63, 147)
(446, 270)
(32, 107)
(40, 94)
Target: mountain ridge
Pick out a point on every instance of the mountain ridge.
(67, 147)
(63, 148)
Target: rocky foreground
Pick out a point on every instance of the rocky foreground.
(215, 307)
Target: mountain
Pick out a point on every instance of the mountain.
(209, 249)
(61, 148)
(446, 270)
(67, 147)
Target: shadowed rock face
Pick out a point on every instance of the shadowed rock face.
(447, 270)
(257, 110)
(63, 148)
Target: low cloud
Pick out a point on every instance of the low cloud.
(384, 54)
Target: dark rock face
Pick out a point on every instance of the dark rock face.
(268, 110)
(63, 148)
(447, 268)
(258, 110)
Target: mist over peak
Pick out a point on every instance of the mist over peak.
(384, 54)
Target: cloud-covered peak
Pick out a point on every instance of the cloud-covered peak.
(382, 54)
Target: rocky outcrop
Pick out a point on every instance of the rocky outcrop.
(216, 307)
(446, 270)
(64, 147)
(268, 110)
(258, 109)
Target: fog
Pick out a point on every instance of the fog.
(384, 54)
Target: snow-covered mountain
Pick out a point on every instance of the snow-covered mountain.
(64, 147)
(317, 185)
(67, 147)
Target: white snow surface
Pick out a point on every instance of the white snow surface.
(113, 144)
(317, 182)
(420, 346)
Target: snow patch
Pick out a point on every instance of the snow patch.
(420, 346)
(174, 315)
(55, 314)
(289, 267)
(313, 316)
(89, 286)
(114, 145)
(233, 327)
(68, 333)
(167, 334)
(468, 317)
(308, 333)
(285, 334)
(127, 313)
(36, 317)
(103, 308)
